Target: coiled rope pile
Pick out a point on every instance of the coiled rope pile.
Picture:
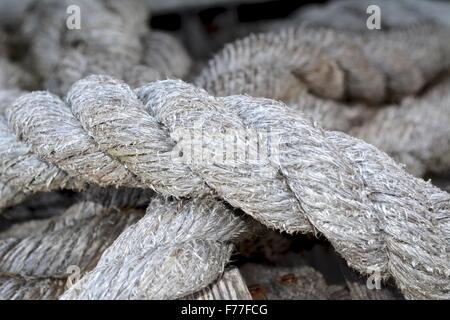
(105, 134)
(114, 39)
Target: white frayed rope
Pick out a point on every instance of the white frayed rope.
(375, 214)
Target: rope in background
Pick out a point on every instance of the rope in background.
(182, 247)
(256, 66)
(329, 64)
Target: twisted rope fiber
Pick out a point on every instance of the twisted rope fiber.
(49, 258)
(108, 40)
(13, 77)
(161, 51)
(22, 172)
(372, 212)
(178, 248)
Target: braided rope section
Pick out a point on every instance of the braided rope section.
(22, 172)
(175, 250)
(374, 214)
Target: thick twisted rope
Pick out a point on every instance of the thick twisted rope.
(373, 213)
(329, 64)
(214, 257)
(182, 247)
(13, 77)
(22, 172)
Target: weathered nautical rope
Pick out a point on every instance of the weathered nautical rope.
(203, 229)
(29, 282)
(178, 248)
(182, 247)
(13, 77)
(373, 213)
(329, 64)
(161, 50)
